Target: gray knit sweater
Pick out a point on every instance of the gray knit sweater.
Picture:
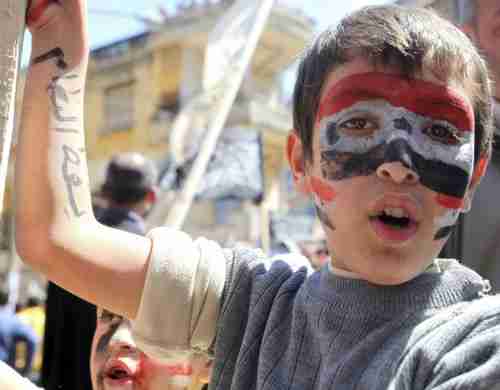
(282, 329)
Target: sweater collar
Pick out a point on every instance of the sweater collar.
(430, 290)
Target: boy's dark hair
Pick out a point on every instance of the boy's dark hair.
(411, 39)
(129, 178)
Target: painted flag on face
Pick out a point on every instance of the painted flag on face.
(426, 127)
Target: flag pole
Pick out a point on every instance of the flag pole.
(12, 24)
(182, 204)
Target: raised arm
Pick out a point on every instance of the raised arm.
(56, 232)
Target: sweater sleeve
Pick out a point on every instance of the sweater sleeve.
(462, 353)
(473, 364)
(181, 298)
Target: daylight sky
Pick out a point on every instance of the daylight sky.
(108, 19)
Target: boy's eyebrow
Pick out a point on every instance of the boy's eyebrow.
(419, 96)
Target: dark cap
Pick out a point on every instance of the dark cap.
(130, 171)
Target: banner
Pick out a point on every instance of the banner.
(234, 171)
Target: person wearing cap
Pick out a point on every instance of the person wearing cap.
(128, 191)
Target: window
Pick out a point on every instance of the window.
(119, 107)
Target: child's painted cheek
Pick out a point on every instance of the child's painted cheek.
(322, 189)
(324, 195)
(446, 223)
(455, 205)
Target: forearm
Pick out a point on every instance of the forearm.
(52, 186)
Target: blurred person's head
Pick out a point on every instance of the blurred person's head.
(117, 364)
(130, 182)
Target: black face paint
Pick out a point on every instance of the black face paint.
(331, 133)
(403, 124)
(444, 232)
(435, 174)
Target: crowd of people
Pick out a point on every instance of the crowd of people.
(395, 114)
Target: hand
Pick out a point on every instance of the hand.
(59, 31)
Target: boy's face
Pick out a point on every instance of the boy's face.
(391, 168)
(117, 364)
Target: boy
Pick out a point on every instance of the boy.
(115, 363)
(392, 135)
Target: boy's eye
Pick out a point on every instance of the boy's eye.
(358, 125)
(442, 134)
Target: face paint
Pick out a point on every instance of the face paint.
(324, 196)
(374, 118)
(446, 223)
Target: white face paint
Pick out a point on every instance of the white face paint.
(448, 219)
(416, 133)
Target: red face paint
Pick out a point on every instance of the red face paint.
(450, 202)
(419, 96)
(480, 170)
(322, 189)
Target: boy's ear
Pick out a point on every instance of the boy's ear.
(297, 162)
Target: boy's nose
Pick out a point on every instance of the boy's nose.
(122, 338)
(398, 164)
(397, 172)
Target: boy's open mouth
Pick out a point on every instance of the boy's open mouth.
(394, 217)
(394, 224)
(119, 374)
